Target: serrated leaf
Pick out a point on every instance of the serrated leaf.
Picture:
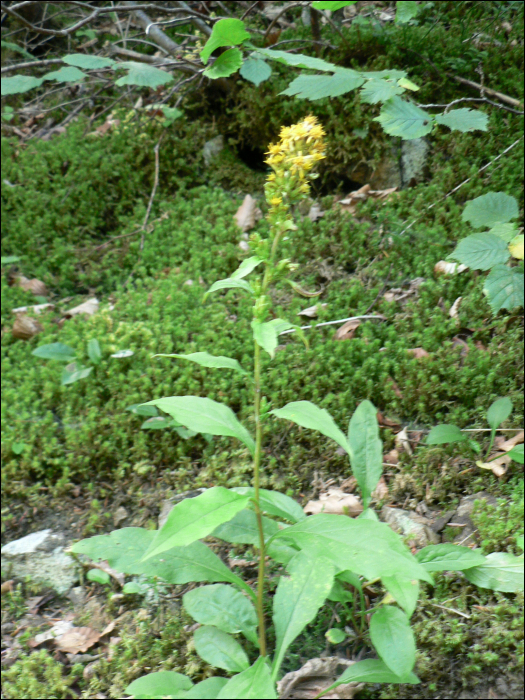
(449, 557)
(308, 415)
(224, 607)
(219, 649)
(393, 639)
(390, 74)
(498, 412)
(371, 671)
(243, 529)
(405, 11)
(55, 351)
(401, 118)
(98, 576)
(516, 247)
(160, 684)
(81, 60)
(94, 351)
(377, 90)
(407, 84)
(500, 572)
(65, 75)
(275, 503)
(19, 83)
(224, 65)
(333, 6)
(315, 87)
(266, 334)
(246, 267)
(463, 120)
(490, 209)
(254, 683)
(504, 231)
(404, 591)
(481, 251)
(229, 283)
(366, 449)
(72, 373)
(226, 32)
(504, 288)
(444, 433)
(204, 359)
(298, 60)
(255, 70)
(143, 75)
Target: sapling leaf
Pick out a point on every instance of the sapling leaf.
(141, 410)
(371, 671)
(204, 359)
(308, 415)
(333, 6)
(405, 11)
(275, 503)
(366, 449)
(229, 283)
(481, 251)
(98, 576)
(401, 118)
(94, 351)
(73, 372)
(498, 412)
(393, 639)
(298, 60)
(219, 649)
(504, 288)
(266, 334)
(161, 684)
(55, 351)
(335, 635)
(404, 591)
(246, 267)
(242, 529)
(516, 453)
(81, 60)
(255, 70)
(316, 87)
(224, 65)
(490, 209)
(463, 120)
(207, 689)
(500, 572)
(255, 683)
(379, 90)
(449, 557)
(444, 433)
(226, 32)
(143, 75)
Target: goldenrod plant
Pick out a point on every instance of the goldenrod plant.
(324, 555)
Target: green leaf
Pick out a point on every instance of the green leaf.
(195, 518)
(161, 684)
(498, 412)
(246, 267)
(393, 639)
(243, 529)
(19, 83)
(229, 283)
(490, 209)
(80, 60)
(405, 11)
(275, 503)
(98, 576)
(377, 90)
(504, 288)
(226, 32)
(55, 351)
(159, 423)
(368, 514)
(443, 433)
(298, 60)
(143, 75)
(315, 87)
(280, 552)
(449, 557)
(223, 607)
(220, 649)
(298, 599)
(463, 120)
(204, 415)
(65, 75)
(407, 84)
(500, 572)
(94, 352)
(516, 453)
(255, 70)
(209, 688)
(73, 372)
(333, 6)
(365, 547)
(18, 447)
(204, 359)
(401, 118)
(122, 549)
(224, 65)
(266, 334)
(140, 410)
(133, 588)
(335, 635)
(481, 251)
(254, 683)
(17, 49)
(308, 415)
(8, 259)
(404, 591)
(504, 231)
(339, 594)
(516, 247)
(371, 671)
(366, 449)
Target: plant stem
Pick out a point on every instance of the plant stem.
(256, 479)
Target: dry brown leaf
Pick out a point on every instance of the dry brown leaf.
(108, 628)
(350, 202)
(507, 444)
(386, 422)
(418, 353)
(400, 294)
(26, 327)
(349, 484)
(89, 308)
(312, 311)
(77, 639)
(381, 490)
(448, 268)
(37, 308)
(346, 332)
(7, 586)
(391, 457)
(458, 342)
(314, 677)
(35, 286)
(454, 309)
(315, 212)
(402, 442)
(247, 214)
(497, 466)
(59, 629)
(336, 502)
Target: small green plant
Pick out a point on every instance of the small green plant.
(320, 553)
(492, 249)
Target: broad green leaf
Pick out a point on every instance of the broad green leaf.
(407, 84)
(254, 683)
(142, 74)
(73, 372)
(333, 6)
(371, 671)
(315, 87)
(140, 410)
(366, 449)
(500, 572)
(516, 247)
(516, 453)
(404, 591)
(335, 635)
(443, 433)
(298, 599)
(219, 649)
(393, 639)
(255, 70)
(504, 288)
(133, 588)
(98, 576)
(204, 359)
(298, 60)
(481, 251)
(195, 518)
(80, 60)
(275, 503)
(94, 352)
(19, 83)
(266, 334)
(280, 552)
(401, 118)
(405, 11)
(365, 547)
(490, 209)
(161, 684)
(368, 514)
(308, 415)
(8, 259)
(378, 90)
(246, 267)
(224, 65)
(159, 423)
(122, 549)
(204, 415)
(449, 557)
(55, 351)
(17, 49)
(390, 74)
(504, 231)
(229, 283)
(226, 32)
(224, 607)
(339, 594)
(207, 689)
(242, 529)
(463, 120)
(498, 412)
(68, 74)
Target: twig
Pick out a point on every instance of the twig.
(31, 64)
(198, 23)
(473, 99)
(331, 323)
(153, 192)
(489, 91)
(288, 6)
(452, 610)
(250, 9)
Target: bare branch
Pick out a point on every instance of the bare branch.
(198, 23)
(31, 64)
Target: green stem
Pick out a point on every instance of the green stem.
(492, 436)
(256, 480)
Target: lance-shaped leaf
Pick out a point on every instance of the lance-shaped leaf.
(226, 32)
(500, 572)
(315, 87)
(204, 415)
(255, 683)
(393, 639)
(443, 433)
(308, 415)
(275, 503)
(195, 518)
(204, 359)
(504, 288)
(498, 412)
(481, 251)
(367, 449)
(490, 209)
(243, 529)
(208, 688)
(404, 591)
(266, 334)
(333, 6)
(463, 120)
(161, 684)
(55, 351)
(298, 599)
(219, 649)
(371, 671)
(449, 557)
(229, 283)
(246, 267)
(94, 351)
(401, 118)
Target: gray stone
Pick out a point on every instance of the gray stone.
(42, 558)
(462, 517)
(388, 172)
(212, 148)
(168, 504)
(413, 161)
(411, 525)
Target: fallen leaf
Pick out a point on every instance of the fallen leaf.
(59, 628)
(315, 212)
(391, 457)
(497, 466)
(350, 202)
(448, 268)
(247, 214)
(120, 514)
(386, 422)
(336, 502)
(381, 490)
(418, 353)
(77, 639)
(89, 308)
(314, 677)
(108, 628)
(454, 309)
(346, 332)
(26, 327)
(35, 286)
(312, 311)
(349, 484)
(37, 308)
(400, 294)
(506, 445)
(7, 587)
(402, 442)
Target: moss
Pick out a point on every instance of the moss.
(39, 675)
(499, 525)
